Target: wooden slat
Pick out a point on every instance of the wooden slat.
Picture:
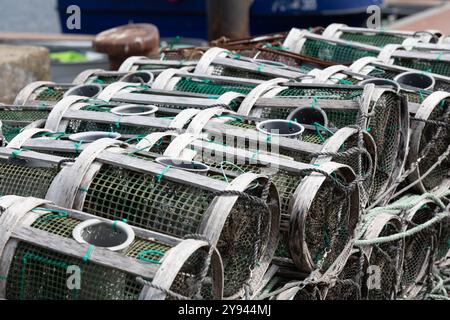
(72, 248)
(293, 102)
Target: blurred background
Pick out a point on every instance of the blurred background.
(188, 18)
(184, 23)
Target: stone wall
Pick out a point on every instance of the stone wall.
(20, 65)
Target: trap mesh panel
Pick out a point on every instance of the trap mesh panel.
(387, 73)
(443, 244)
(433, 66)
(277, 54)
(286, 183)
(25, 181)
(77, 126)
(439, 139)
(378, 39)
(220, 70)
(103, 79)
(334, 52)
(419, 250)
(209, 87)
(184, 282)
(319, 138)
(326, 226)
(15, 120)
(183, 54)
(23, 115)
(387, 257)
(385, 128)
(274, 284)
(53, 94)
(37, 273)
(177, 210)
(349, 285)
(11, 130)
(383, 125)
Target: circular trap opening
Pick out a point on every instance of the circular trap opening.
(114, 236)
(415, 80)
(309, 116)
(138, 77)
(92, 136)
(285, 128)
(187, 165)
(85, 90)
(135, 110)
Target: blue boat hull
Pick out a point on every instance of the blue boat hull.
(187, 18)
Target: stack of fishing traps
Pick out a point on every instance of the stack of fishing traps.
(299, 165)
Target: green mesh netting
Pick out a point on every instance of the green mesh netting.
(418, 248)
(441, 138)
(220, 70)
(336, 118)
(144, 202)
(333, 52)
(178, 210)
(23, 115)
(385, 128)
(387, 257)
(63, 226)
(76, 126)
(106, 79)
(25, 181)
(15, 120)
(378, 40)
(10, 130)
(209, 87)
(40, 274)
(433, 66)
(51, 94)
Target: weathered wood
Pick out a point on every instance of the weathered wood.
(100, 256)
(6, 153)
(255, 136)
(163, 100)
(294, 102)
(140, 232)
(175, 175)
(67, 183)
(262, 67)
(444, 57)
(106, 117)
(177, 257)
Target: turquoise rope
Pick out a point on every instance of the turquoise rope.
(87, 257)
(163, 173)
(60, 214)
(16, 152)
(142, 254)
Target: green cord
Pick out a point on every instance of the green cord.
(231, 164)
(163, 173)
(78, 145)
(87, 257)
(261, 67)
(118, 121)
(314, 103)
(16, 152)
(60, 214)
(142, 256)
